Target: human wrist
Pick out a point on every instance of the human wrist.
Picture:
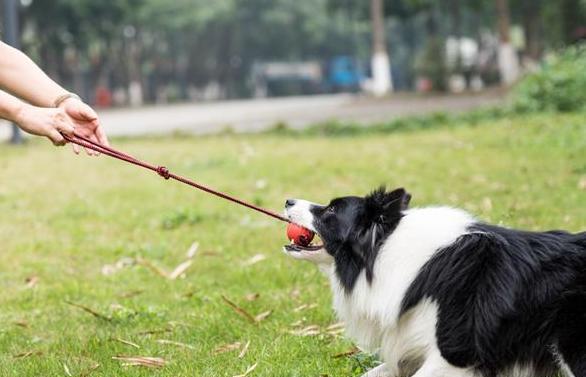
(65, 97)
(19, 112)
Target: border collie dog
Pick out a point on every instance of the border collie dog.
(436, 293)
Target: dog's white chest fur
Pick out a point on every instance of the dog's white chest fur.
(371, 311)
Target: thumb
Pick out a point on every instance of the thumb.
(80, 111)
(87, 113)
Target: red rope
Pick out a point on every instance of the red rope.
(163, 172)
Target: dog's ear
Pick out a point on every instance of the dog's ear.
(382, 205)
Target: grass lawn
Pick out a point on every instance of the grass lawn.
(93, 232)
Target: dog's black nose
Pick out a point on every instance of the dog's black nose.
(289, 203)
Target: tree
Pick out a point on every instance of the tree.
(381, 66)
(507, 56)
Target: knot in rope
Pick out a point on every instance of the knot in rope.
(163, 172)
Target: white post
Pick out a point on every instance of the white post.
(381, 65)
(508, 63)
(507, 56)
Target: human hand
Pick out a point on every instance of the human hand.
(47, 122)
(85, 121)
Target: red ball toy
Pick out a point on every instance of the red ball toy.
(299, 235)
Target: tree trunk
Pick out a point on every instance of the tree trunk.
(457, 31)
(532, 28)
(572, 19)
(381, 66)
(135, 85)
(507, 59)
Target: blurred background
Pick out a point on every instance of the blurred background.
(131, 53)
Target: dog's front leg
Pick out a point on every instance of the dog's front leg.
(436, 366)
(380, 371)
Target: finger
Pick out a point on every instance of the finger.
(56, 137)
(95, 140)
(89, 113)
(85, 112)
(101, 135)
(91, 152)
(64, 124)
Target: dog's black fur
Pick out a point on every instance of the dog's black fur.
(353, 229)
(508, 296)
(505, 297)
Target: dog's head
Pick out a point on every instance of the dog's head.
(351, 228)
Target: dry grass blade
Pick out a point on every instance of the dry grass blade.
(252, 296)
(143, 361)
(130, 294)
(582, 183)
(127, 342)
(174, 343)
(239, 310)
(350, 352)
(31, 281)
(67, 371)
(179, 270)
(210, 254)
(305, 307)
(148, 264)
(110, 269)
(244, 350)
(248, 371)
(297, 323)
(89, 370)
(335, 326)
(226, 348)
(26, 354)
(262, 316)
(156, 331)
(335, 329)
(22, 323)
(90, 311)
(295, 293)
(307, 331)
(254, 260)
(192, 250)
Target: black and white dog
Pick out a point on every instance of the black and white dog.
(436, 293)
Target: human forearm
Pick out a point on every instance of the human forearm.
(20, 76)
(41, 121)
(10, 107)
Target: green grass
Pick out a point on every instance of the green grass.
(62, 218)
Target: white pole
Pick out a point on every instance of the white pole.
(381, 66)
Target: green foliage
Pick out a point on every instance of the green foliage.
(560, 85)
(405, 124)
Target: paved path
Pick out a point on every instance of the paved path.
(297, 112)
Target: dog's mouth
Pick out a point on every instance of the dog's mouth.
(313, 247)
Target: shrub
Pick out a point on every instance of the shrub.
(560, 85)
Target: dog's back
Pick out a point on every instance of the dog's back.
(509, 300)
(572, 316)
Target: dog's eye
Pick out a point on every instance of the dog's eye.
(331, 209)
